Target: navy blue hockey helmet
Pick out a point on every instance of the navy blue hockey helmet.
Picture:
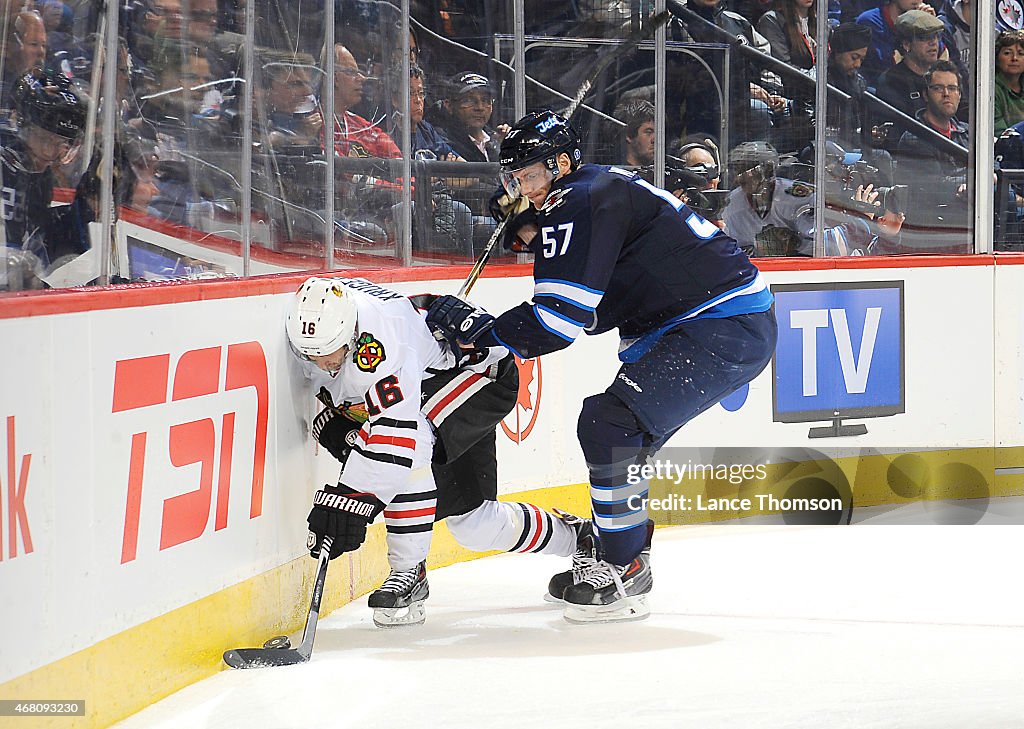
(540, 137)
(47, 100)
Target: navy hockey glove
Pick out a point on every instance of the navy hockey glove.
(458, 322)
(343, 514)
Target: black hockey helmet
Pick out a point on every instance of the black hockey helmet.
(540, 137)
(47, 100)
(748, 155)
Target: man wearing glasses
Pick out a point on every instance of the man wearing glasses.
(937, 181)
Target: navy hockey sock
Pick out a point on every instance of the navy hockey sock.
(620, 548)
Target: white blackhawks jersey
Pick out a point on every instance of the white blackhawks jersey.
(392, 352)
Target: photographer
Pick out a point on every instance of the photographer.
(692, 174)
(774, 216)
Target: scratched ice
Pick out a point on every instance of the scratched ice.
(753, 626)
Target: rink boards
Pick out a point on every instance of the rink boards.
(157, 473)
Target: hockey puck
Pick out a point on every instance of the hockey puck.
(279, 641)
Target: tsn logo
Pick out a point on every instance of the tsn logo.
(209, 373)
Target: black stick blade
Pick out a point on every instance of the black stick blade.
(263, 657)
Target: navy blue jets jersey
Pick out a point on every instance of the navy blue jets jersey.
(616, 252)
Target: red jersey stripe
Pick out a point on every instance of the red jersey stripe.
(452, 395)
(411, 514)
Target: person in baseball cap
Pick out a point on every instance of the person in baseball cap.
(467, 111)
(466, 81)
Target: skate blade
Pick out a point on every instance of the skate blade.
(414, 614)
(548, 597)
(621, 611)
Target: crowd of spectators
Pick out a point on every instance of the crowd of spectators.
(898, 74)
(181, 121)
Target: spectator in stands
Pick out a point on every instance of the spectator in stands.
(752, 10)
(451, 221)
(178, 113)
(355, 136)
(64, 52)
(201, 22)
(425, 136)
(223, 48)
(847, 48)
(903, 85)
(638, 134)
(850, 10)
(937, 180)
(136, 181)
(882, 54)
(292, 119)
(162, 24)
(364, 201)
(24, 48)
(958, 16)
(751, 102)
(1009, 96)
(467, 116)
(28, 49)
(790, 27)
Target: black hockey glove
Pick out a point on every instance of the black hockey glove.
(458, 322)
(335, 432)
(343, 514)
(335, 428)
(519, 212)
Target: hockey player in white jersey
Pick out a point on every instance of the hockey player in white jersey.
(370, 354)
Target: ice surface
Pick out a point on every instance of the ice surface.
(752, 626)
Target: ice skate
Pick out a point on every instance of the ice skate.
(607, 593)
(399, 601)
(581, 559)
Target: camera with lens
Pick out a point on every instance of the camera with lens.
(694, 181)
(844, 175)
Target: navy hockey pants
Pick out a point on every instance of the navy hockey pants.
(689, 370)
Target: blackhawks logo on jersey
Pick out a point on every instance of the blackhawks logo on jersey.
(369, 353)
(799, 189)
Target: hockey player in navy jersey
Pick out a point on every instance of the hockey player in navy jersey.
(694, 317)
(414, 430)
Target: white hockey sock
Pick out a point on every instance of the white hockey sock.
(512, 527)
(410, 521)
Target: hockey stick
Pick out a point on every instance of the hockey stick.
(482, 259)
(266, 657)
(628, 45)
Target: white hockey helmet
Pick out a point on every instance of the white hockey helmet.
(322, 319)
